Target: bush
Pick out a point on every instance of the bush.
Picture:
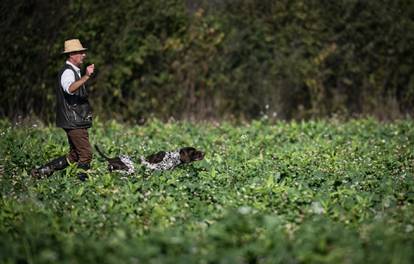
(214, 59)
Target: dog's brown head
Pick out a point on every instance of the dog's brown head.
(190, 154)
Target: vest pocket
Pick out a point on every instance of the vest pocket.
(81, 114)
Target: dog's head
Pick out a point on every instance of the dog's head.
(190, 154)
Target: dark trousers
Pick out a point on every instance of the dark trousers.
(80, 148)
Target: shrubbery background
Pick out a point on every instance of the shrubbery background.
(214, 59)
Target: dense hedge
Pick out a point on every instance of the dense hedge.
(214, 59)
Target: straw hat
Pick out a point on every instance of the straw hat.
(73, 45)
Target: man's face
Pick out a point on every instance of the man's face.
(77, 57)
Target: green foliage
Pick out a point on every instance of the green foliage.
(308, 192)
(214, 59)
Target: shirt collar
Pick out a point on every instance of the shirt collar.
(73, 65)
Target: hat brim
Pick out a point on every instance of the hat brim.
(71, 51)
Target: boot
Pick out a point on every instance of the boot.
(83, 176)
(48, 169)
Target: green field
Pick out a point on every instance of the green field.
(290, 192)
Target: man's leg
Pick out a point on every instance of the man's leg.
(72, 155)
(79, 138)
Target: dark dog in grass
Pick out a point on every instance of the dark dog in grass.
(160, 161)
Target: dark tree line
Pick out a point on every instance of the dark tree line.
(214, 59)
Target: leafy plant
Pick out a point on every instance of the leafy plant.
(317, 191)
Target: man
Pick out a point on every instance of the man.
(73, 112)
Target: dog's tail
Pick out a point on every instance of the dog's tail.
(100, 152)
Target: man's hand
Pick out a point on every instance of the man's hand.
(76, 85)
(90, 69)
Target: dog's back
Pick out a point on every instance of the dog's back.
(166, 160)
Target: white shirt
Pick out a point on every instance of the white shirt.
(68, 77)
